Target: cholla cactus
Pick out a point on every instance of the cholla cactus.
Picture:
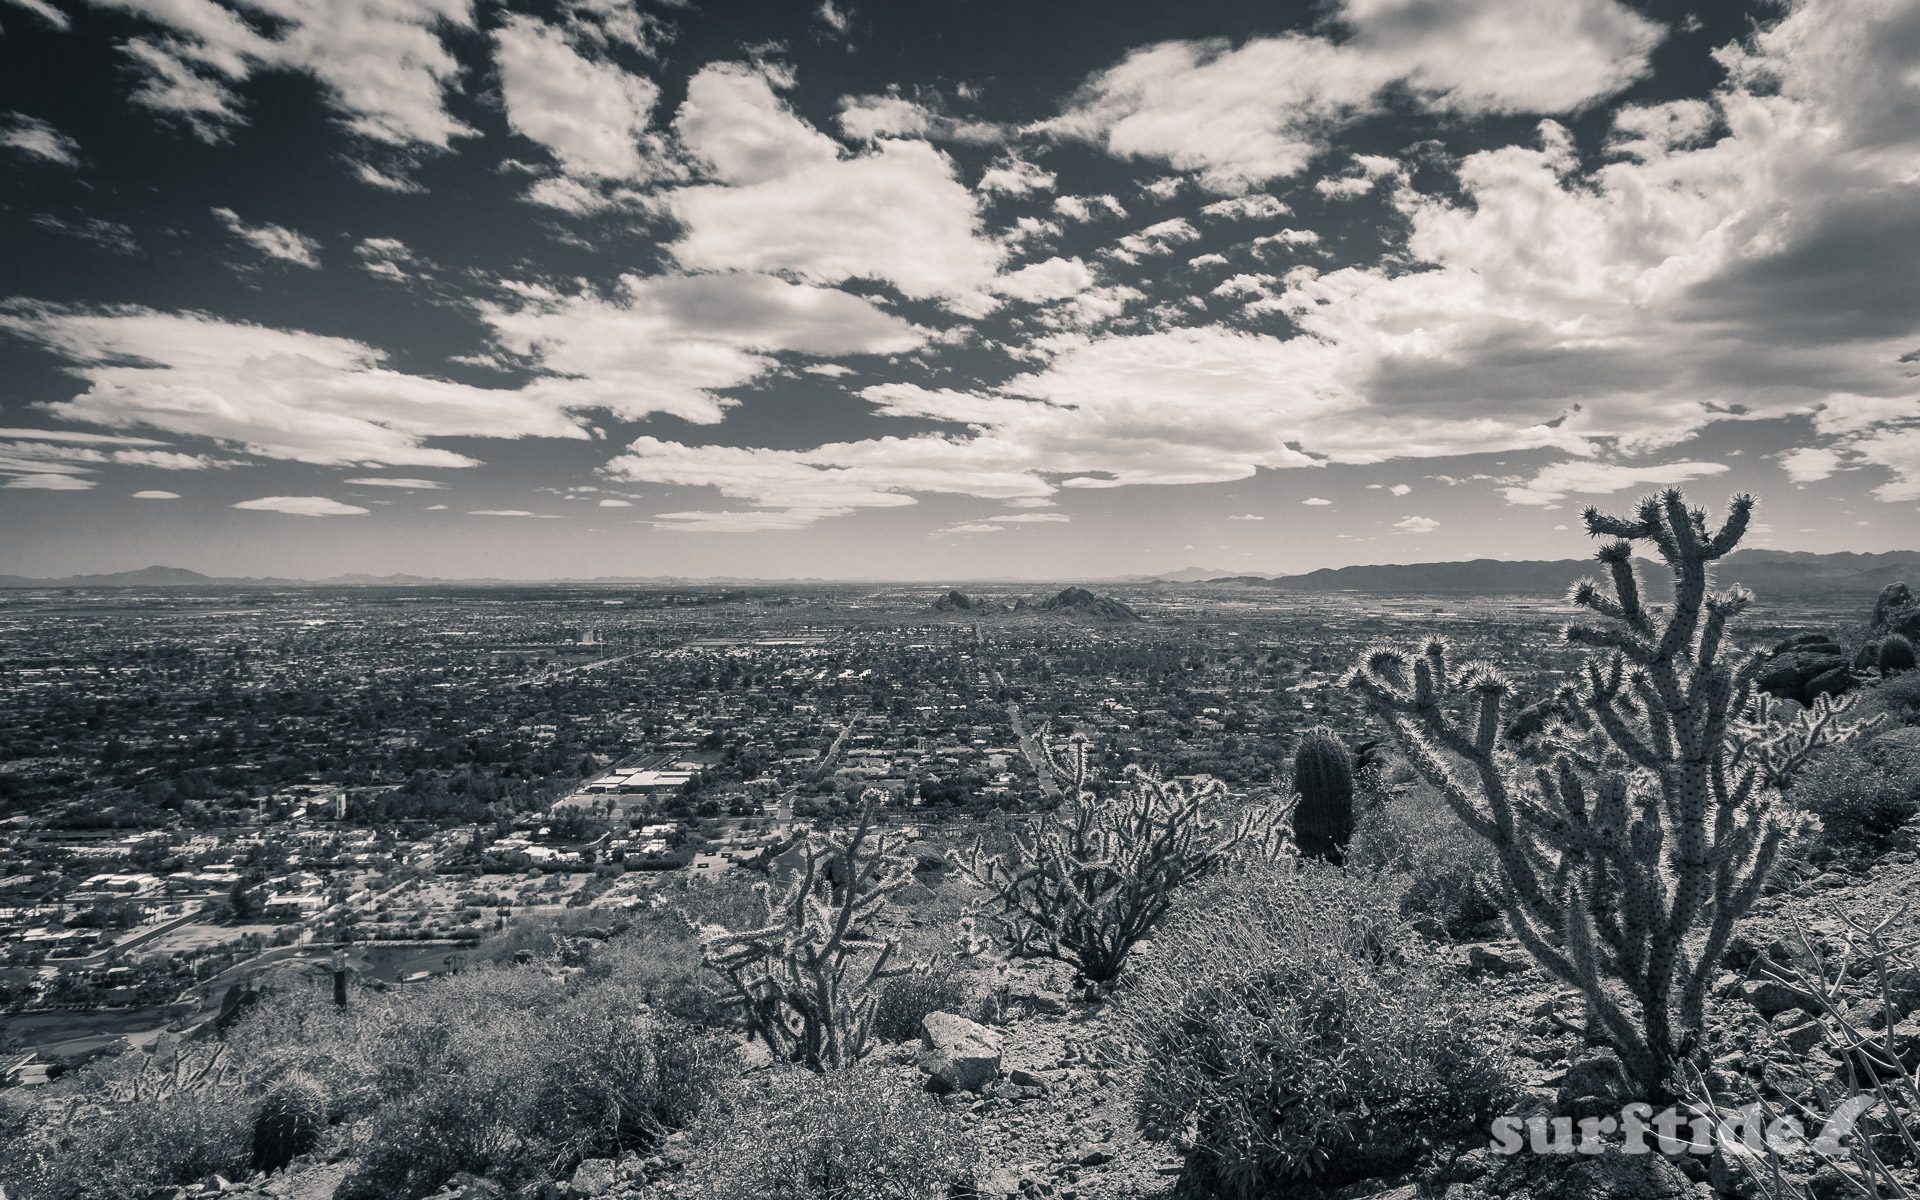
(1323, 778)
(1649, 829)
(806, 979)
(1099, 872)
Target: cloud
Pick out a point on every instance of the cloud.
(1554, 483)
(784, 199)
(1054, 279)
(1159, 238)
(658, 344)
(1012, 176)
(156, 494)
(1082, 209)
(501, 512)
(381, 64)
(273, 241)
(1416, 525)
(591, 115)
(1239, 116)
(38, 455)
(46, 12)
(111, 236)
(386, 181)
(1317, 501)
(276, 393)
(1247, 517)
(51, 482)
(867, 118)
(37, 139)
(669, 343)
(388, 481)
(1255, 207)
(302, 506)
(388, 258)
(1623, 305)
(803, 486)
(838, 20)
(1400, 489)
(615, 502)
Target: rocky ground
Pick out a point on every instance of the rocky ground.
(1048, 1096)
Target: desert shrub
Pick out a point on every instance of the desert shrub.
(906, 999)
(1295, 1028)
(1897, 698)
(1863, 792)
(92, 1137)
(1445, 869)
(844, 1135)
(517, 1075)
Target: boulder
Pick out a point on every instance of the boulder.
(1772, 996)
(957, 1055)
(594, 1177)
(1793, 668)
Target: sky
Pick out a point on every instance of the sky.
(948, 289)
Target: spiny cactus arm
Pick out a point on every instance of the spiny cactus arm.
(1738, 888)
(1601, 701)
(1739, 513)
(1601, 524)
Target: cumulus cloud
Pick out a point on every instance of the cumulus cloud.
(1162, 237)
(657, 344)
(1054, 279)
(670, 343)
(272, 241)
(155, 494)
(1241, 115)
(276, 393)
(1416, 525)
(783, 198)
(34, 138)
(302, 506)
(865, 118)
(1247, 517)
(1012, 176)
(591, 115)
(1554, 483)
(381, 64)
(1081, 209)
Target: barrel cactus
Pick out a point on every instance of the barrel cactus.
(291, 1118)
(1323, 776)
(1896, 654)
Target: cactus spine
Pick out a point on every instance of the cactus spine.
(1896, 654)
(1627, 856)
(1323, 777)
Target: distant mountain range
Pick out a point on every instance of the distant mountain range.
(1768, 572)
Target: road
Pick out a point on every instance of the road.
(1029, 745)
